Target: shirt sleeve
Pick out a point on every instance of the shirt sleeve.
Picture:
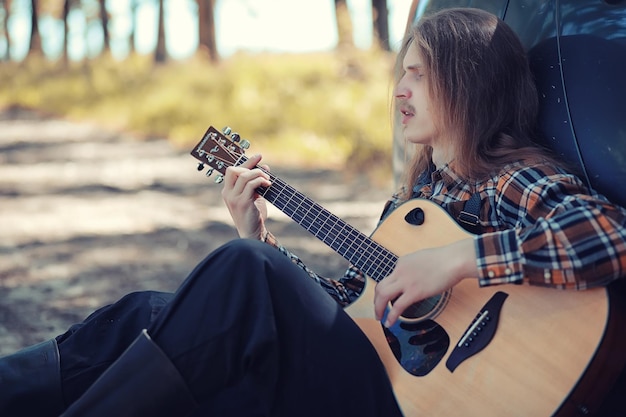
(341, 290)
(554, 233)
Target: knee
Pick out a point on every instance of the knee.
(253, 259)
(237, 256)
(246, 246)
(246, 251)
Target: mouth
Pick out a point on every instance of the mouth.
(406, 114)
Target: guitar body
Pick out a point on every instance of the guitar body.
(544, 341)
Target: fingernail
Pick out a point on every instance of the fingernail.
(387, 324)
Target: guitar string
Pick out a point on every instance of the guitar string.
(354, 238)
(281, 194)
(359, 248)
(378, 252)
(358, 244)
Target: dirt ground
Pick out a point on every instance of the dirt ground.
(88, 215)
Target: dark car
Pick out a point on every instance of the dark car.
(577, 51)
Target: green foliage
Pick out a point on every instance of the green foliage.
(313, 109)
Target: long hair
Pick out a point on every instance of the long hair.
(482, 91)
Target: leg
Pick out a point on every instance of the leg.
(87, 349)
(251, 334)
(30, 384)
(248, 314)
(42, 379)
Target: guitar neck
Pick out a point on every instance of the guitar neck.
(220, 152)
(361, 251)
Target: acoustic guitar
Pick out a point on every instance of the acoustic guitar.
(510, 350)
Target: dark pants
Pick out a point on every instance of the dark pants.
(250, 333)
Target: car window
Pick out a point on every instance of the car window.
(496, 7)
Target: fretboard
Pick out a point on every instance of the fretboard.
(361, 251)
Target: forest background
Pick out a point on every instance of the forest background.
(327, 107)
(98, 112)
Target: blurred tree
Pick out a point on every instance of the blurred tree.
(344, 24)
(206, 29)
(90, 9)
(133, 5)
(160, 53)
(6, 11)
(412, 12)
(66, 31)
(34, 45)
(381, 23)
(104, 19)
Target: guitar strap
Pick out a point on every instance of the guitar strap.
(469, 217)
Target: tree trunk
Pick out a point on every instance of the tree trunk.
(381, 23)
(412, 12)
(133, 26)
(104, 19)
(206, 29)
(66, 31)
(160, 54)
(344, 25)
(6, 4)
(34, 45)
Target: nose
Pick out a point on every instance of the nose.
(401, 91)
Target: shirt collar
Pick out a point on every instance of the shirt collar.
(449, 177)
(433, 176)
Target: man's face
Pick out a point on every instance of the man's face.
(413, 101)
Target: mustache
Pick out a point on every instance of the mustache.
(403, 107)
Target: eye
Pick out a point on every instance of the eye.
(418, 75)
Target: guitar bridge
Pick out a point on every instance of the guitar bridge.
(479, 333)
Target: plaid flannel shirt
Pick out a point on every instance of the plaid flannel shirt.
(540, 225)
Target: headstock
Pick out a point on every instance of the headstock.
(220, 150)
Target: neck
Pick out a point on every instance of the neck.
(441, 157)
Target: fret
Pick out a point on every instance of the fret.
(354, 246)
(374, 260)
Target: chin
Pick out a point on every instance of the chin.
(417, 141)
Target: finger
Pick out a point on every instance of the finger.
(397, 308)
(232, 171)
(252, 161)
(230, 177)
(245, 189)
(384, 292)
(252, 179)
(252, 185)
(236, 180)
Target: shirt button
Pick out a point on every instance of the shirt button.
(547, 275)
(491, 274)
(508, 271)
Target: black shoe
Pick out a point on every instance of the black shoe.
(141, 382)
(30, 382)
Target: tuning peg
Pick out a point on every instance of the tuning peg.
(226, 130)
(244, 144)
(235, 137)
(200, 166)
(209, 172)
(219, 179)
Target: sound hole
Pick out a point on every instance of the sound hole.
(425, 308)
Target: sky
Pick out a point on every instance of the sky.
(251, 25)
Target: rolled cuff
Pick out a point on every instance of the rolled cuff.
(499, 258)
